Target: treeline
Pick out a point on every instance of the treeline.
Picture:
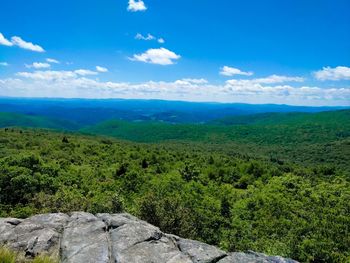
(217, 195)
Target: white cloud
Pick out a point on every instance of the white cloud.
(257, 92)
(191, 81)
(149, 37)
(229, 71)
(48, 75)
(160, 56)
(26, 45)
(337, 73)
(38, 65)
(85, 72)
(17, 41)
(4, 64)
(101, 69)
(136, 5)
(4, 41)
(146, 38)
(273, 79)
(278, 79)
(51, 60)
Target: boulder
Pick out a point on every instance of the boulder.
(119, 238)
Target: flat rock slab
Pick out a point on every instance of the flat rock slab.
(105, 238)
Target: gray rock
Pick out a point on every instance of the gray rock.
(35, 235)
(117, 220)
(7, 227)
(153, 251)
(133, 240)
(200, 252)
(85, 240)
(119, 238)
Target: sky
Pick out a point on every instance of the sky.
(285, 52)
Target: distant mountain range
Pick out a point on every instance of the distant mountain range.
(84, 112)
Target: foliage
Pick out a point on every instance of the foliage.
(299, 137)
(213, 193)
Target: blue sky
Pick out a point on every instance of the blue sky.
(292, 52)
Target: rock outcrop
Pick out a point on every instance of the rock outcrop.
(121, 238)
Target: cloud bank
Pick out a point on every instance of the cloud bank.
(76, 84)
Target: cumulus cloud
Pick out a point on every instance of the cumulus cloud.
(101, 69)
(38, 65)
(160, 56)
(337, 73)
(4, 64)
(229, 71)
(161, 40)
(51, 60)
(136, 5)
(4, 41)
(26, 45)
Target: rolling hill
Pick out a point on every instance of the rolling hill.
(90, 112)
(23, 120)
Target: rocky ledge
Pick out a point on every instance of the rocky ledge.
(82, 238)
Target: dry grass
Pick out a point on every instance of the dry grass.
(7, 256)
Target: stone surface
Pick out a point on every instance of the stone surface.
(85, 239)
(119, 238)
(200, 252)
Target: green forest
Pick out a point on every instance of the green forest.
(273, 183)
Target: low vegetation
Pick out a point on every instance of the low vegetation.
(10, 256)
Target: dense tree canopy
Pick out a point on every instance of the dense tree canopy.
(211, 193)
